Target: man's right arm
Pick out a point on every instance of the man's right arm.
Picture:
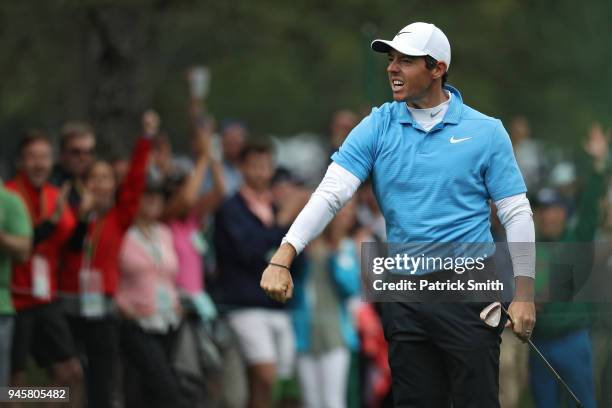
(352, 165)
(335, 190)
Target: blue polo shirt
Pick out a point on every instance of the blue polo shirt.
(433, 186)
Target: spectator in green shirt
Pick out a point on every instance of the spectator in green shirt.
(15, 243)
(562, 331)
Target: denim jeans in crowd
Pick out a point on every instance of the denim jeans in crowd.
(572, 356)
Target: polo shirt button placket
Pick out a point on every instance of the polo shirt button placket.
(422, 135)
(426, 142)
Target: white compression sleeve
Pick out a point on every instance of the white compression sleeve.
(517, 218)
(335, 190)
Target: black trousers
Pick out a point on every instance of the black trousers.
(442, 355)
(42, 331)
(98, 344)
(149, 380)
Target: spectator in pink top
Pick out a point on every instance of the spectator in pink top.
(185, 209)
(148, 300)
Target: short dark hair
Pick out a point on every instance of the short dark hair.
(430, 63)
(32, 136)
(254, 148)
(73, 130)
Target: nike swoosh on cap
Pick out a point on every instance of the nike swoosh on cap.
(453, 140)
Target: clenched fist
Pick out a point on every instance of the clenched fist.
(277, 283)
(522, 319)
(522, 312)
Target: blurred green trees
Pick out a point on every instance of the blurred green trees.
(284, 66)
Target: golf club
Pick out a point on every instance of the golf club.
(538, 352)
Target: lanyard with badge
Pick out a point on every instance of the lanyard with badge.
(40, 269)
(163, 294)
(90, 279)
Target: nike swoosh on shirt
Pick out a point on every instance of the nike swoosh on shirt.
(453, 140)
(434, 114)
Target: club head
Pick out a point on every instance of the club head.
(491, 315)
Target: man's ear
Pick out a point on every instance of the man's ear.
(439, 70)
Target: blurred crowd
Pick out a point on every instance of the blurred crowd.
(135, 280)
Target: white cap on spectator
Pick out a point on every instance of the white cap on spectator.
(418, 39)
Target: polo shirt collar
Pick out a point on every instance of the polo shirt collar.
(453, 114)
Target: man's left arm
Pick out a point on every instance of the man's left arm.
(507, 188)
(516, 216)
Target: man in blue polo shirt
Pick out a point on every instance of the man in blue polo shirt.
(435, 164)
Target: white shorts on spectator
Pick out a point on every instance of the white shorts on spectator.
(265, 337)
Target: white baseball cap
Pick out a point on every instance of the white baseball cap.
(418, 39)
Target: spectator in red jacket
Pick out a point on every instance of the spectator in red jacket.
(90, 276)
(40, 327)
